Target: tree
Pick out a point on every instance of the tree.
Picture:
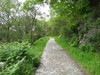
(7, 8)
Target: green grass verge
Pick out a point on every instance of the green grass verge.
(21, 58)
(90, 61)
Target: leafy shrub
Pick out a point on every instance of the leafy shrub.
(21, 58)
(74, 41)
(95, 41)
(14, 52)
(87, 47)
(65, 31)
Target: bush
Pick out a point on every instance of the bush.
(87, 47)
(14, 52)
(65, 32)
(21, 58)
(95, 41)
(74, 41)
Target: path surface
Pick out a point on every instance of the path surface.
(55, 61)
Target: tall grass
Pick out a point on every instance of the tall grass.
(21, 58)
(89, 60)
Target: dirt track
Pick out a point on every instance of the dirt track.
(55, 61)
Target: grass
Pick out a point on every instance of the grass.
(21, 58)
(89, 60)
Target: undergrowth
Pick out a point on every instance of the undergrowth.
(21, 58)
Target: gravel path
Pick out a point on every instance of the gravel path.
(55, 61)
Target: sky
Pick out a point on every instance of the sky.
(21, 1)
(43, 9)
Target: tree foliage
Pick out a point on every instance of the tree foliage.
(75, 18)
(18, 21)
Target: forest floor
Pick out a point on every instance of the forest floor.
(56, 61)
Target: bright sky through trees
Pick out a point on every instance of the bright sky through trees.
(43, 9)
(21, 1)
